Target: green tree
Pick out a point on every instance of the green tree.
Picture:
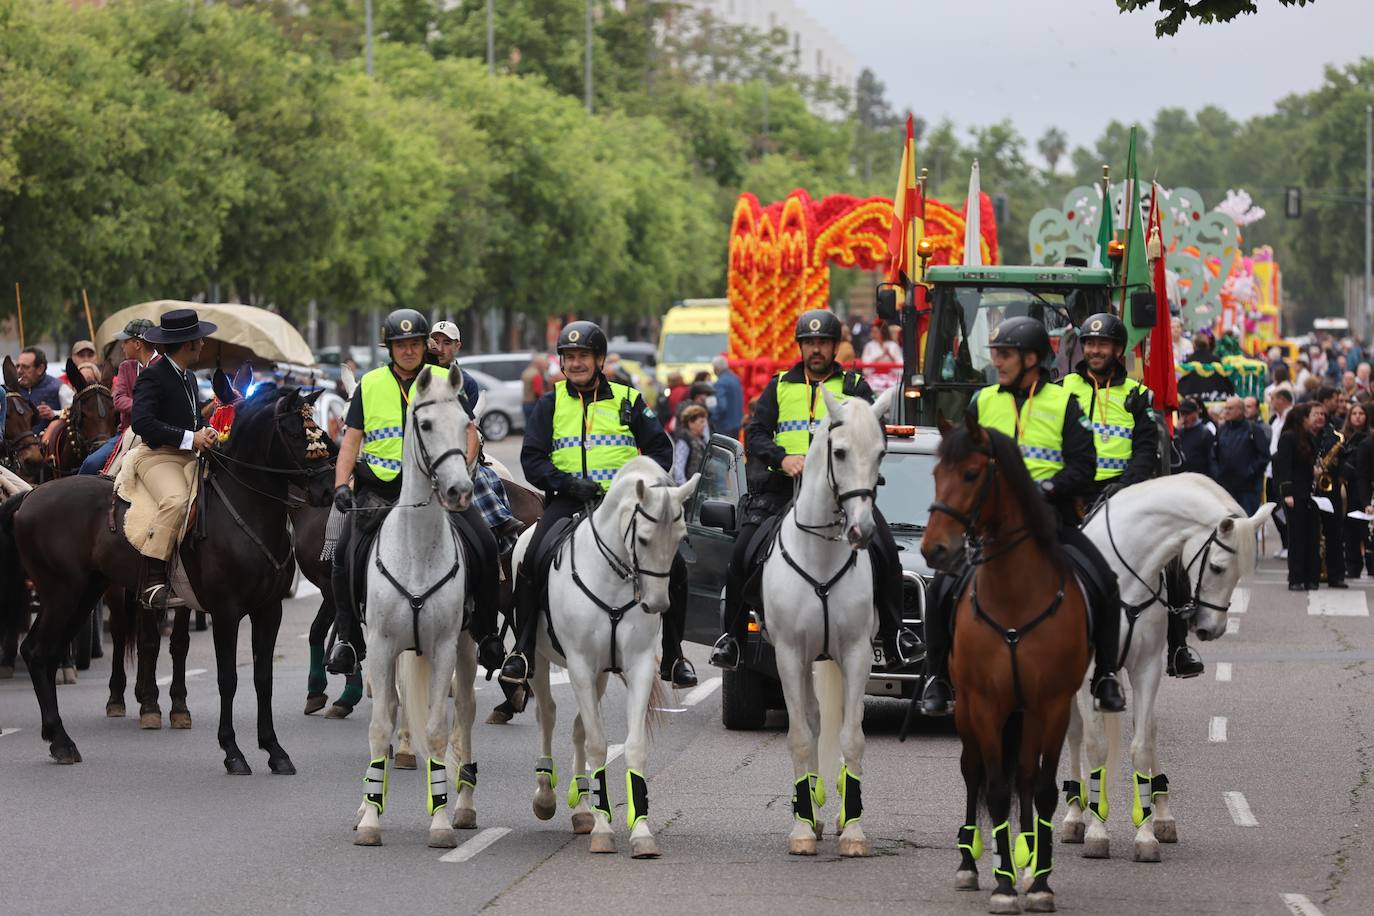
(1052, 145)
(1173, 13)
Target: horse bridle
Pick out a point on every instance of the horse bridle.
(427, 464)
(17, 444)
(842, 518)
(299, 468)
(82, 446)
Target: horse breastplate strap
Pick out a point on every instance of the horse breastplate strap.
(1014, 635)
(417, 602)
(822, 589)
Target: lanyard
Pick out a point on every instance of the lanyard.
(1106, 393)
(1021, 420)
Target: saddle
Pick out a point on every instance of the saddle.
(948, 589)
(543, 560)
(758, 549)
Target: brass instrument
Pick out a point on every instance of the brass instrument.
(1325, 482)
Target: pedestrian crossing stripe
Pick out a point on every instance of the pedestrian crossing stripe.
(1337, 603)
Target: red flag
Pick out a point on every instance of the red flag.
(1159, 373)
(907, 225)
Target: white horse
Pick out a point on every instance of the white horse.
(607, 588)
(821, 548)
(1140, 531)
(416, 596)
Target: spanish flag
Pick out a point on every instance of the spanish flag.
(907, 225)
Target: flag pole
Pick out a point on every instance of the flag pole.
(90, 325)
(1132, 180)
(19, 304)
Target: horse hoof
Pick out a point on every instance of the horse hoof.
(1098, 847)
(1146, 851)
(1004, 904)
(314, 703)
(1166, 831)
(150, 721)
(499, 717)
(442, 838)
(282, 766)
(603, 842)
(115, 711)
(966, 880)
(337, 712)
(67, 675)
(6, 672)
(854, 847)
(643, 848)
(1040, 902)
(1073, 832)
(180, 718)
(582, 822)
(368, 836)
(464, 819)
(65, 755)
(403, 761)
(801, 846)
(237, 766)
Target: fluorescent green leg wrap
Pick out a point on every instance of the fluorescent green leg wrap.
(467, 776)
(316, 681)
(375, 782)
(1024, 850)
(803, 799)
(1002, 861)
(1097, 794)
(603, 796)
(1141, 810)
(1073, 793)
(577, 788)
(818, 789)
(436, 787)
(1044, 847)
(547, 766)
(971, 839)
(851, 801)
(638, 792)
(1159, 785)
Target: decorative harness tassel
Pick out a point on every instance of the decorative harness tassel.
(375, 783)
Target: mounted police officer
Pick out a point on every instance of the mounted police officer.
(1127, 443)
(776, 441)
(578, 436)
(1047, 423)
(370, 453)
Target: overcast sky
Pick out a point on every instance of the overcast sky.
(1079, 63)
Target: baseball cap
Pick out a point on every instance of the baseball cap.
(134, 328)
(83, 345)
(448, 329)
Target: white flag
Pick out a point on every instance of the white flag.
(973, 235)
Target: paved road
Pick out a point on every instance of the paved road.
(150, 823)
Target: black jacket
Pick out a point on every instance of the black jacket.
(1075, 480)
(1240, 453)
(764, 453)
(1144, 463)
(1293, 466)
(1361, 472)
(1197, 446)
(536, 456)
(166, 405)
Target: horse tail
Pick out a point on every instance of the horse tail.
(829, 687)
(414, 676)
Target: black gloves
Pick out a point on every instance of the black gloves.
(582, 489)
(343, 498)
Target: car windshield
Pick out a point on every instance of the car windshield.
(967, 316)
(694, 347)
(908, 489)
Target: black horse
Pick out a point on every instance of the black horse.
(73, 549)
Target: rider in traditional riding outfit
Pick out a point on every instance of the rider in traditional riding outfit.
(578, 436)
(776, 441)
(371, 453)
(1127, 442)
(1047, 423)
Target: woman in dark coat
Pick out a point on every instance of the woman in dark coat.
(1356, 539)
(1294, 472)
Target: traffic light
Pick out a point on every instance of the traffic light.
(1292, 202)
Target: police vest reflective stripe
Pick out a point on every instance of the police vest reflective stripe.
(383, 422)
(1112, 424)
(589, 438)
(1042, 425)
(800, 410)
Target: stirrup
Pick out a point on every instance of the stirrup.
(909, 648)
(1115, 699)
(508, 673)
(725, 654)
(343, 659)
(937, 697)
(1184, 663)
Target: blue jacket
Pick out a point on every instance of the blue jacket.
(1241, 455)
(47, 392)
(1196, 445)
(728, 414)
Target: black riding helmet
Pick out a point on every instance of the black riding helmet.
(1025, 334)
(818, 323)
(404, 324)
(1105, 326)
(583, 335)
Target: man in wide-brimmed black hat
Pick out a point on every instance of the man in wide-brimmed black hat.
(166, 416)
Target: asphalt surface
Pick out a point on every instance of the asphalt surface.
(150, 823)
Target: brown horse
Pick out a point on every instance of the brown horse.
(22, 451)
(87, 424)
(1020, 652)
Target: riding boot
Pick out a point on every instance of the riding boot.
(1183, 662)
(516, 668)
(348, 649)
(901, 645)
(727, 653)
(155, 591)
(486, 587)
(937, 697)
(1107, 693)
(675, 668)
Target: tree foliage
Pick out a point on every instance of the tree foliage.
(1173, 13)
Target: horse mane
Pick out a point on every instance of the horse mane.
(958, 444)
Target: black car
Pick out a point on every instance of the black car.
(904, 497)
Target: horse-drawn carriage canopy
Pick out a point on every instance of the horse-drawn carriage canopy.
(245, 332)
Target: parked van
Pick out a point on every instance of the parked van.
(693, 334)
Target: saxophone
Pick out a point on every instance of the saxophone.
(1325, 482)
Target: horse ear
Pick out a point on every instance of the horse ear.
(640, 489)
(422, 380)
(455, 377)
(243, 378)
(684, 492)
(883, 406)
(223, 388)
(832, 406)
(347, 379)
(1227, 525)
(1261, 516)
(313, 396)
(11, 375)
(74, 376)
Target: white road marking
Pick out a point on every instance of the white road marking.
(194, 672)
(1223, 671)
(1337, 603)
(1240, 809)
(1216, 730)
(475, 845)
(668, 709)
(9, 731)
(1232, 627)
(613, 751)
(1299, 905)
(701, 692)
(1240, 601)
